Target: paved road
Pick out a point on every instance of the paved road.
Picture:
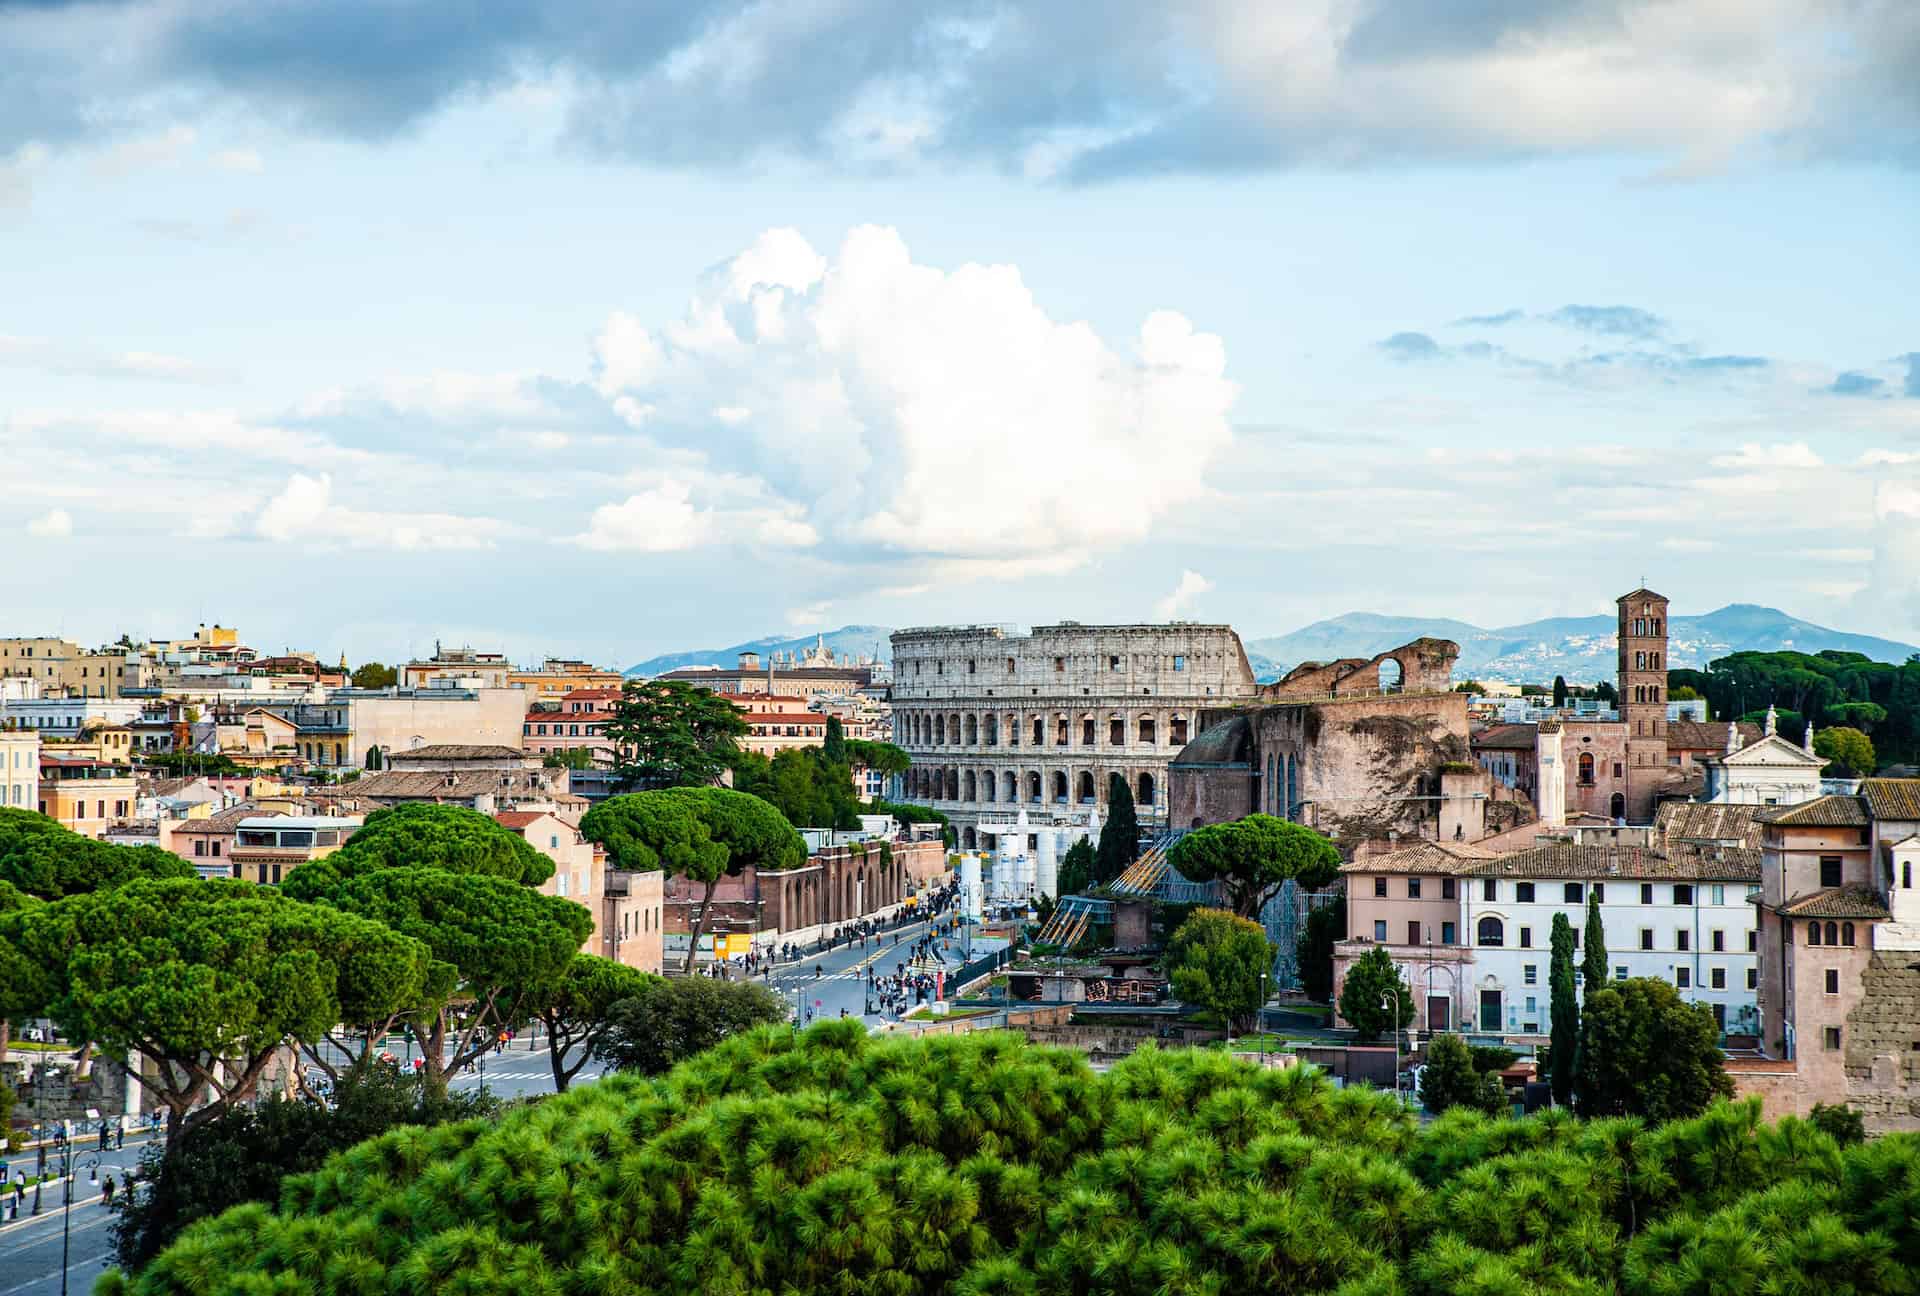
(30, 1248)
(841, 987)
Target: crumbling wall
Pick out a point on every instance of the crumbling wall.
(1882, 1030)
(1425, 666)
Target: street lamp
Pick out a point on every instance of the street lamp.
(1390, 1005)
(66, 1215)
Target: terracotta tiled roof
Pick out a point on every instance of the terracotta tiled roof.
(1688, 821)
(457, 785)
(1642, 593)
(1821, 812)
(1426, 857)
(1837, 902)
(1565, 860)
(519, 820)
(224, 822)
(1892, 798)
(1707, 735)
(1506, 737)
(458, 751)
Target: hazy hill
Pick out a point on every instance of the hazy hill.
(847, 641)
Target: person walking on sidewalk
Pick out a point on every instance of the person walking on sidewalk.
(106, 1191)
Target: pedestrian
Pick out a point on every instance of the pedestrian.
(106, 1191)
(19, 1191)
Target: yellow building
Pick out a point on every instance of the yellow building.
(84, 794)
(556, 678)
(108, 744)
(19, 769)
(267, 846)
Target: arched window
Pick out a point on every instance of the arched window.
(1617, 806)
(1060, 787)
(939, 730)
(1846, 933)
(1392, 676)
(973, 732)
(1086, 788)
(1145, 795)
(967, 783)
(1586, 767)
(1033, 783)
(1813, 933)
(1833, 934)
(989, 784)
(1146, 731)
(1012, 784)
(1491, 932)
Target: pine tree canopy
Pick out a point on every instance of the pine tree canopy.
(832, 1161)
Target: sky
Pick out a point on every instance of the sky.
(605, 330)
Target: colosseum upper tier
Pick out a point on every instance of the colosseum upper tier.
(998, 722)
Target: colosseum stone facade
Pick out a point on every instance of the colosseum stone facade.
(998, 722)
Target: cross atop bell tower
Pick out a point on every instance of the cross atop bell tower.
(1643, 696)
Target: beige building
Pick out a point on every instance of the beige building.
(556, 678)
(815, 673)
(778, 722)
(459, 668)
(267, 847)
(343, 730)
(635, 910)
(62, 668)
(579, 870)
(20, 769)
(996, 722)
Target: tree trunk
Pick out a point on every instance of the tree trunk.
(556, 1051)
(700, 926)
(6, 1037)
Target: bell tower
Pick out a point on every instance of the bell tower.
(1643, 697)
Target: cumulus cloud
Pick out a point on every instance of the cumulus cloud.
(904, 408)
(1189, 587)
(1857, 384)
(1411, 346)
(53, 524)
(1797, 454)
(305, 511)
(1036, 89)
(667, 518)
(1612, 321)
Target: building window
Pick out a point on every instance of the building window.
(1753, 978)
(1813, 932)
(1719, 894)
(1620, 972)
(1575, 893)
(1179, 661)
(1059, 665)
(1446, 933)
(1719, 978)
(1833, 981)
(1413, 932)
(1600, 892)
(1490, 890)
(199, 846)
(1646, 938)
(1831, 1038)
(1753, 940)
(1682, 938)
(1719, 941)
(1446, 889)
(1683, 977)
(1526, 938)
(1491, 932)
(1531, 974)
(216, 845)
(1829, 870)
(1846, 933)
(1380, 930)
(1380, 887)
(1413, 888)
(1523, 893)
(1682, 894)
(1646, 893)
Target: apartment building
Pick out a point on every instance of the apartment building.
(20, 769)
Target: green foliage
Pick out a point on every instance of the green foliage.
(181, 763)
(1847, 751)
(450, 839)
(1119, 835)
(45, 860)
(1686, 693)
(1254, 857)
(571, 758)
(1839, 1122)
(185, 972)
(1559, 690)
(669, 733)
(834, 1161)
(373, 675)
(882, 756)
(1218, 961)
(1593, 941)
(810, 790)
(1831, 688)
(701, 834)
(1451, 1080)
(669, 1021)
(1644, 1051)
(244, 1154)
(1374, 999)
(1491, 1057)
(577, 1009)
(835, 745)
(1325, 925)
(1564, 1004)
(907, 813)
(1076, 868)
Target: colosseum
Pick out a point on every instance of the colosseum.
(998, 722)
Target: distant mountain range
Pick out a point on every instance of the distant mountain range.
(1580, 648)
(848, 641)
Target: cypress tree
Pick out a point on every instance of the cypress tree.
(1120, 835)
(836, 744)
(1566, 1012)
(1559, 690)
(1593, 964)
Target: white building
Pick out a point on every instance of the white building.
(1769, 771)
(1682, 917)
(58, 717)
(20, 769)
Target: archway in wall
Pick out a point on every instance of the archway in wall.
(939, 730)
(1086, 790)
(1033, 785)
(967, 838)
(969, 788)
(1144, 796)
(973, 732)
(1617, 806)
(1060, 787)
(1010, 785)
(1392, 675)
